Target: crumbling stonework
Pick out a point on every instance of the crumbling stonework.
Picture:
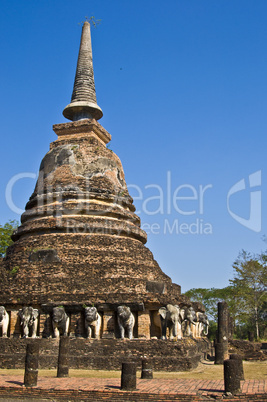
(80, 240)
(108, 354)
(247, 350)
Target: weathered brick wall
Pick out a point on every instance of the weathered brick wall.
(111, 396)
(248, 350)
(84, 271)
(108, 354)
(80, 240)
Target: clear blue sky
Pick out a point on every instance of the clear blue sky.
(182, 85)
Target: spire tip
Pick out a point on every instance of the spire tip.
(83, 101)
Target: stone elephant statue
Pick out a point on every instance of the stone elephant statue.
(202, 325)
(170, 318)
(4, 321)
(60, 322)
(189, 319)
(29, 321)
(92, 322)
(126, 321)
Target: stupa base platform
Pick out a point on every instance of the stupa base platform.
(108, 354)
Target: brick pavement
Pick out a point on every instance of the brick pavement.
(108, 389)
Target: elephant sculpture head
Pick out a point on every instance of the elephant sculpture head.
(58, 314)
(90, 314)
(170, 312)
(124, 313)
(189, 318)
(190, 315)
(29, 320)
(60, 321)
(204, 323)
(92, 322)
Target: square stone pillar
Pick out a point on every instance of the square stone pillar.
(76, 325)
(108, 330)
(14, 324)
(144, 324)
(155, 330)
(45, 327)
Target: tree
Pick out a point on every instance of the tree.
(5, 236)
(250, 284)
(210, 298)
(246, 296)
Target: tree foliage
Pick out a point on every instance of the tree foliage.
(250, 283)
(211, 297)
(246, 295)
(5, 235)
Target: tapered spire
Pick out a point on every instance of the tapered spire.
(83, 101)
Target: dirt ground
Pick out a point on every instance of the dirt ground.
(206, 370)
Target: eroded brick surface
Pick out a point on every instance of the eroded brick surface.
(108, 389)
(80, 240)
(107, 354)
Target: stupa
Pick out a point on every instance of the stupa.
(80, 241)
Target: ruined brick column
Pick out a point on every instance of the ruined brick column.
(128, 376)
(63, 357)
(232, 376)
(147, 369)
(230, 326)
(31, 364)
(237, 357)
(221, 346)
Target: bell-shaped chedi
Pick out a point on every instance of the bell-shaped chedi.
(80, 240)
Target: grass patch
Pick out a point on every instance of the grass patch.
(204, 371)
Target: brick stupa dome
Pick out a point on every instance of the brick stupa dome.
(80, 240)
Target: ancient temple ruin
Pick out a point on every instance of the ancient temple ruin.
(80, 242)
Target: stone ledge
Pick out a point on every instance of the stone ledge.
(108, 354)
(85, 126)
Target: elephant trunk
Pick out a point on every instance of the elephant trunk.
(206, 330)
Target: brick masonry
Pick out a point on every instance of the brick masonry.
(107, 389)
(248, 350)
(108, 354)
(80, 240)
